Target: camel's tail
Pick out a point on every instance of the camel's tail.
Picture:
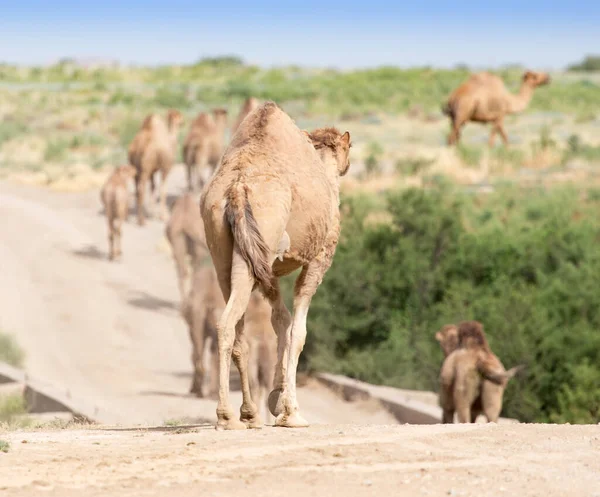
(250, 242)
(498, 376)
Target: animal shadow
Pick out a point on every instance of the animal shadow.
(90, 252)
(144, 300)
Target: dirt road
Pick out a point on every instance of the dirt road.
(110, 332)
(344, 460)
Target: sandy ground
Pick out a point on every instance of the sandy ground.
(110, 332)
(343, 460)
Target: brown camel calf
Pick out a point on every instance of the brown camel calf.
(472, 378)
(185, 232)
(201, 311)
(115, 199)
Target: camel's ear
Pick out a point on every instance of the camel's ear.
(345, 139)
(438, 336)
(527, 75)
(306, 133)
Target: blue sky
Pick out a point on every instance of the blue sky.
(343, 34)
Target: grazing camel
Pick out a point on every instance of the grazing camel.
(115, 199)
(153, 149)
(483, 98)
(201, 311)
(185, 232)
(250, 104)
(472, 378)
(271, 207)
(203, 146)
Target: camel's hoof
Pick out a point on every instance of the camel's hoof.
(230, 424)
(293, 420)
(253, 423)
(275, 401)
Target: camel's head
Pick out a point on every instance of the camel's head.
(333, 147)
(220, 116)
(174, 119)
(471, 335)
(535, 79)
(448, 338)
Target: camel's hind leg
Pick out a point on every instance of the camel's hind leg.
(283, 401)
(230, 331)
(140, 186)
(163, 211)
(179, 249)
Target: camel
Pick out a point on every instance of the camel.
(472, 378)
(185, 232)
(483, 98)
(250, 104)
(115, 199)
(271, 207)
(152, 150)
(204, 145)
(201, 311)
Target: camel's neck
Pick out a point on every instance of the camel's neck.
(520, 101)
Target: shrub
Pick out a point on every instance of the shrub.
(372, 159)
(56, 150)
(10, 351)
(524, 263)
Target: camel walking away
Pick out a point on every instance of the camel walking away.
(203, 146)
(201, 311)
(271, 207)
(152, 150)
(115, 199)
(185, 232)
(483, 98)
(249, 105)
(472, 378)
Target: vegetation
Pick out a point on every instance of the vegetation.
(523, 262)
(4, 446)
(589, 63)
(10, 352)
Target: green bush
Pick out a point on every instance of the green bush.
(10, 351)
(589, 63)
(56, 150)
(524, 263)
(373, 159)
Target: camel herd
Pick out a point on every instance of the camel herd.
(268, 205)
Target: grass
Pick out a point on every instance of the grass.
(4, 446)
(469, 155)
(10, 352)
(56, 150)
(12, 409)
(408, 166)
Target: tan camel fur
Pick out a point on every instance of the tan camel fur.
(483, 98)
(202, 309)
(250, 104)
(203, 146)
(472, 378)
(185, 232)
(271, 207)
(152, 150)
(115, 199)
